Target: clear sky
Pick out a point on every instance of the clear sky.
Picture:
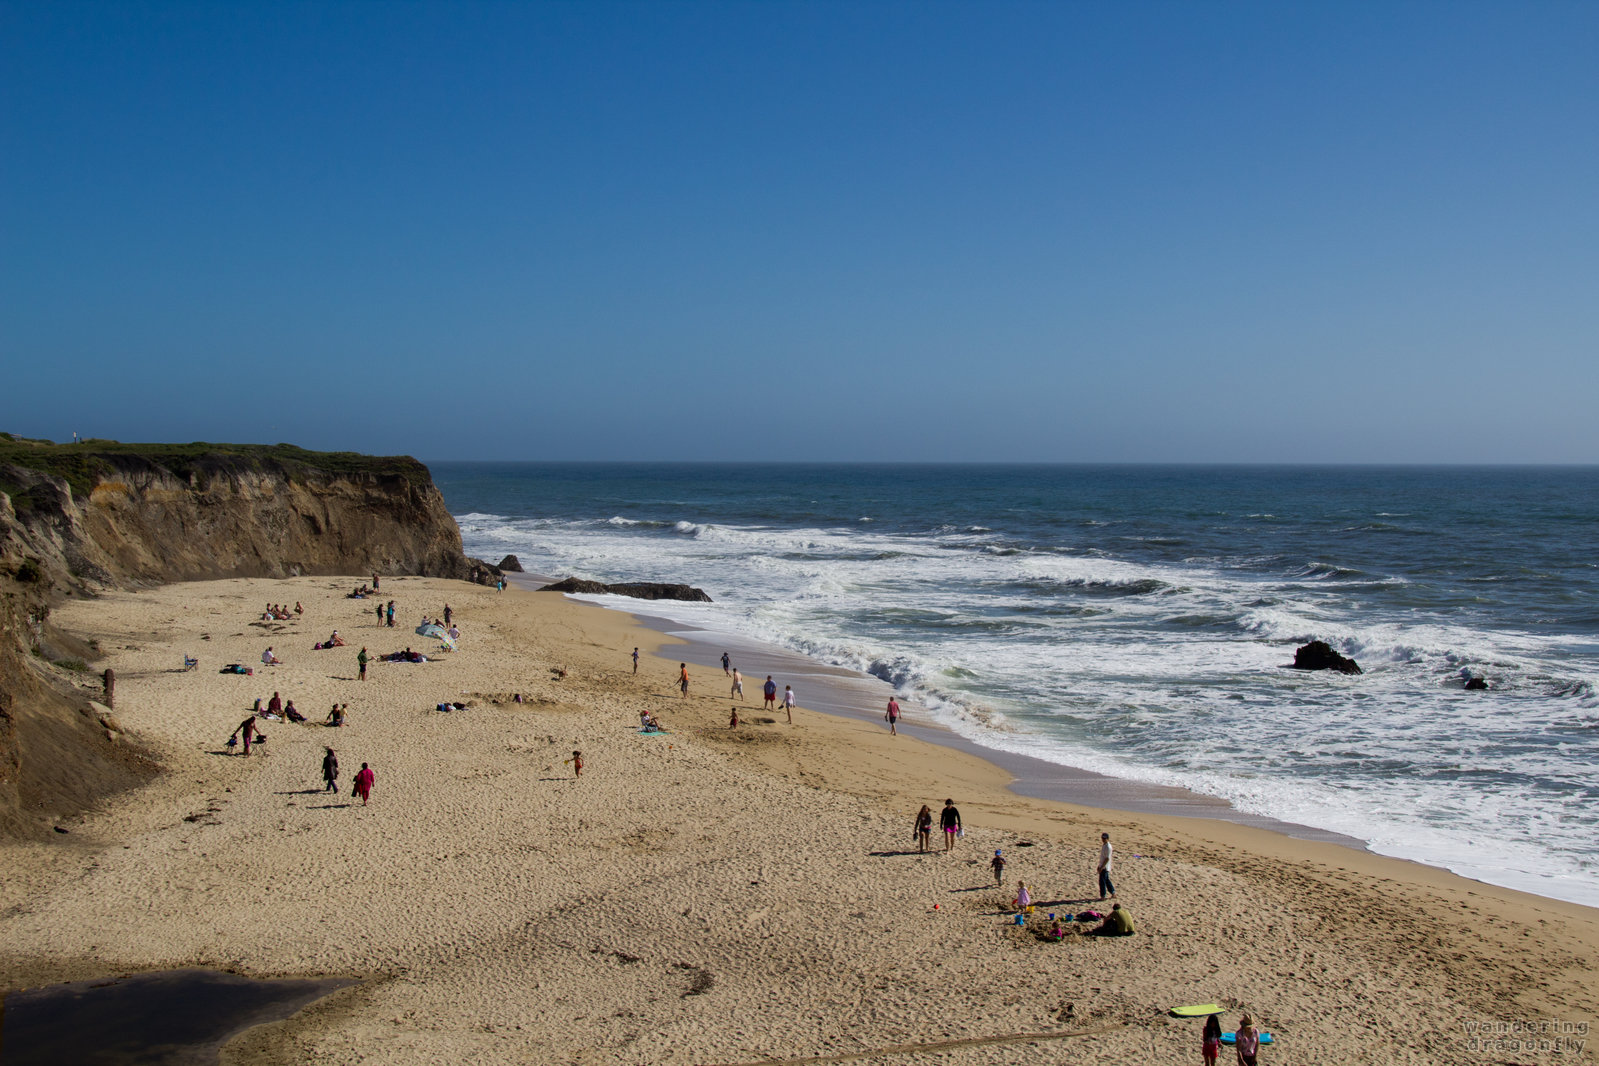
(1074, 232)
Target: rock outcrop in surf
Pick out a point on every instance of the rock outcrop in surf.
(1319, 655)
(640, 590)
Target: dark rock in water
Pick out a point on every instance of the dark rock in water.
(1318, 655)
(639, 590)
(1476, 682)
(511, 564)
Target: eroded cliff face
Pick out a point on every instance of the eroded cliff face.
(74, 520)
(142, 523)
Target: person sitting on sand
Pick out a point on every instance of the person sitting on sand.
(274, 705)
(1117, 923)
(335, 716)
(1055, 930)
(269, 659)
(335, 641)
(297, 608)
(291, 714)
(648, 721)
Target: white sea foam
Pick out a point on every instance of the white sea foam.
(1172, 674)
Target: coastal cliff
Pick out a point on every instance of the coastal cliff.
(75, 518)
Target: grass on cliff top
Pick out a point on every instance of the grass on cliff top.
(82, 465)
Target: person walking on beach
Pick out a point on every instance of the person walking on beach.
(950, 820)
(682, 681)
(1210, 1043)
(922, 833)
(363, 783)
(1106, 855)
(725, 661)
(247, 727)
(330, 771)
(738, 686)
(361, 661)
(391, 614)
(1248, 1041)
(788, 703)
(997, 864)
(577, 764)
(893, 716)
(635, 660)
(769, 690)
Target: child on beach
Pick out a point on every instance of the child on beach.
(997, 864)
(788, 703)
(923, 831)
(769, 691)
(1210, 1043)
(635, 660)
(682, 682)
(577, 764)
(732, 721)
(1024, 898)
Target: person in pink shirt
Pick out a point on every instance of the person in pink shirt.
(363, 783)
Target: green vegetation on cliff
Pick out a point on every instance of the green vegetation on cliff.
(81, 465)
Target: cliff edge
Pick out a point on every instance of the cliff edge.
(75, 518)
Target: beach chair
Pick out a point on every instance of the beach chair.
(190, 662)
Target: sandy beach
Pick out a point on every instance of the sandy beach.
(713, 895)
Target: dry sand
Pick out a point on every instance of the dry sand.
(713, 896)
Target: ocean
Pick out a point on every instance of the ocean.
(1139, 622)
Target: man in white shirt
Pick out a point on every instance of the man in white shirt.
(268, 659)
(1106, 886)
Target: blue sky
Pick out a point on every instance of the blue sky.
(1219, 232)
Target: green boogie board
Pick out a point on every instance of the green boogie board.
(1196, 1010)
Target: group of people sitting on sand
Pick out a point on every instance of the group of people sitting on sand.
(361, 593)
(277, 710)
(278, 612)
(406, 656)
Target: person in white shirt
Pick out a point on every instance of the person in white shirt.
(1106, 886)
(268, 659)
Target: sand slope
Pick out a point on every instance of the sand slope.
(714, 896)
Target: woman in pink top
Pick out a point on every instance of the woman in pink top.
(1248, 1041)
(363, 783)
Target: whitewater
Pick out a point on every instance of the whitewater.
(1139, 622)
